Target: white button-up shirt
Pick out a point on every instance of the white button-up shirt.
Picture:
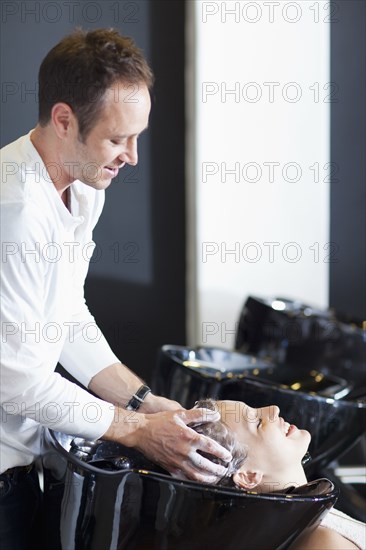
(44, 319)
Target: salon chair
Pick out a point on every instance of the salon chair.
(299, 335)
(323, 404)
(115, 499)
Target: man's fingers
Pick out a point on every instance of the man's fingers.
(188, 472)
(203, 475)
(194, 475)
(195, 416)
(178, 474)
(208, 445)
(205, 465)
(203, 443)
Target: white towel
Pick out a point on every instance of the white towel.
(349, 528)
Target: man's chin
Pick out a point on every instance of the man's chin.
(98, 185)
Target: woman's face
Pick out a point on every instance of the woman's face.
(274, 446)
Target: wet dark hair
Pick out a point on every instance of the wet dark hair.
(218, 431)
(80, 68)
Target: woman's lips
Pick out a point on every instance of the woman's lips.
(291, 430)
(288, 428)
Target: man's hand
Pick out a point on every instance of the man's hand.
(165, 439)
(156, 403)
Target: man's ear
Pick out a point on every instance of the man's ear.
(61, 116)
(246, 479)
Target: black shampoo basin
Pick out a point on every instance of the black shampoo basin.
(137, 506)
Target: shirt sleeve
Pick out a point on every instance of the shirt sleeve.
(29, 386)
(86, 351)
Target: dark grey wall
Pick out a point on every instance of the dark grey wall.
(136, 282)
(347, 277)
(140, 316)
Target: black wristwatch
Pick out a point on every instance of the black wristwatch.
(138, 398)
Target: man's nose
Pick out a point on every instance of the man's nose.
(130, 155)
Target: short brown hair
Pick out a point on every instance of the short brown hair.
(218, 431)
(80, 68)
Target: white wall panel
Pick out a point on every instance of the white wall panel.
(259, 195)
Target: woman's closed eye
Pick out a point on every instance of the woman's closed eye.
(259, 422)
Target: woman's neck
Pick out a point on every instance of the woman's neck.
(275, 483)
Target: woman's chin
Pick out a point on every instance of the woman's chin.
(307, 435)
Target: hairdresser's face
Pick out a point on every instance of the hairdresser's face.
(112, 141)
(274, 445)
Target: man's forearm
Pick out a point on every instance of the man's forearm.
(117, 384)
(125, 427)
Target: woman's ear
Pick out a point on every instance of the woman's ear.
(246, 479)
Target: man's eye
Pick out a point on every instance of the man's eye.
(114, 142)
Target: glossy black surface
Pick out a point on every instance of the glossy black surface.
(198, 373)
(137, 509)
(309, 399)
(296, 334)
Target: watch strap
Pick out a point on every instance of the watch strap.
(138, 398)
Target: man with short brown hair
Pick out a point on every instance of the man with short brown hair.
(94, 103)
